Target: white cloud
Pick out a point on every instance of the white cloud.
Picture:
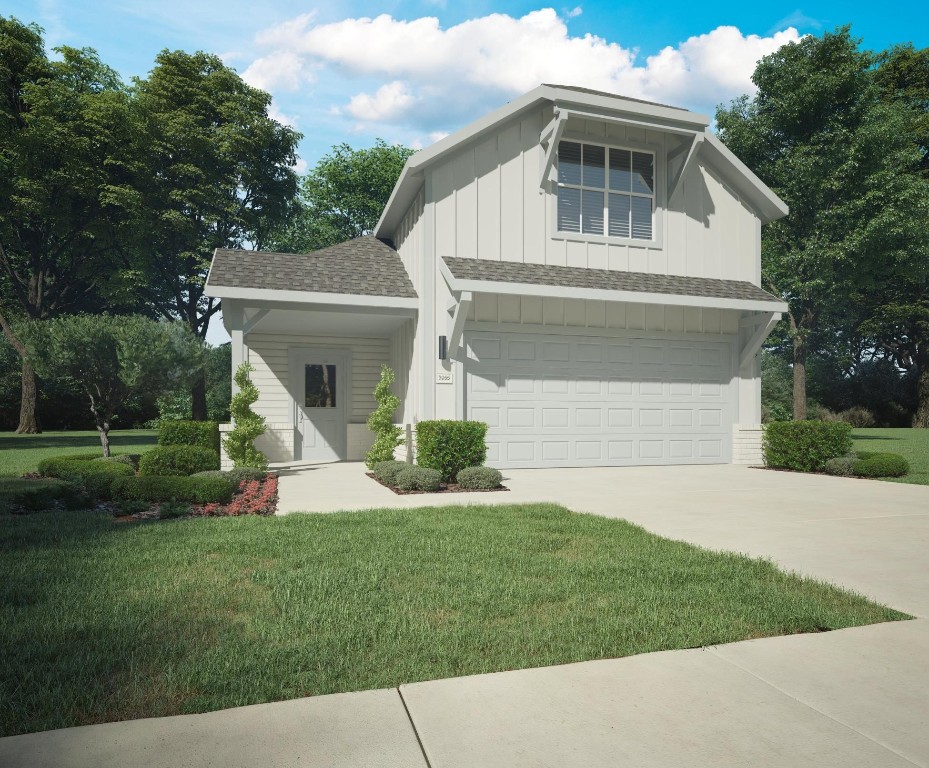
(417, 74)
(574, 12)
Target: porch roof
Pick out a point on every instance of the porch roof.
(363, 267)
(509, 277)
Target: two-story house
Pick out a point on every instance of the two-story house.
(579, 270)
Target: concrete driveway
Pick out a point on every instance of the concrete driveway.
(854, 698)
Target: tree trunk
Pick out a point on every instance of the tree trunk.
(198, 397)
(104, 431)
(800, 352)
(921, 418)
(28, 404)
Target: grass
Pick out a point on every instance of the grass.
(105, 621)
(22, 453)
(912, 444)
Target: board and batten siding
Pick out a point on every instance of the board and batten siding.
(408, 240)
(488, 205)
(268, 353)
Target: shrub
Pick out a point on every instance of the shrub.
(170, 509)
(858, 417)
(387, 471)
(450, 446)
(197, 490)
(418, 479)
(202, 433)
(37, 495)
(246, 474)
(129, 459)
(480, 478)
(48, 467)
(246, 424)
(841, 466)
(805, 446)
(179, 460)
(96, 477)
(880, 465)
(381, 421)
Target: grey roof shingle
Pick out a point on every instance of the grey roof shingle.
(603, 279)
(365, 266)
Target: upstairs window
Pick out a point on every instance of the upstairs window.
(605, 191)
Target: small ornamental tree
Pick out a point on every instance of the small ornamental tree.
(246, 424)
(381, 421)
(113, 358)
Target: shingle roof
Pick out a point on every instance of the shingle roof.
(365, 266)
(603, 279)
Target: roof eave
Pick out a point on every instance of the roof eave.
(767, 204)
(264, 295)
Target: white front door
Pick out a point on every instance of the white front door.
(320, 381)
(574, 401)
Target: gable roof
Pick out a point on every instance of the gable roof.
(479, 274)
(768, 206)
(365, 266)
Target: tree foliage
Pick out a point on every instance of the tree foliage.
(218, 174)
(381, 421)
(66, 192)
(247, 425)
(112, 358)
(343, 196)
(820, 136)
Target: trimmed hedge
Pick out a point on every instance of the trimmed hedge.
(38, 495)
(53, 463)
(805, 446)
(387, 471)
(413, 478)
(236, 475)
(202, 433)
(96, 477)
(130, 459)
(450, 446)
(197, 490)
(480, 478)
(880, 465)
(177, 460)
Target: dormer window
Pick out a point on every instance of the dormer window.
(605, 191)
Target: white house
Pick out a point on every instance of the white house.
(577, 269)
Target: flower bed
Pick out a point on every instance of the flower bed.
(253, 497)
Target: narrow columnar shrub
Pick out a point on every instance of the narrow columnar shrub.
(247, 425)
(202, 433)
(413, 478)
(805, 446)
(480, 478)
(196, 490)
(450, 446)
(387, 435)
(387, 471)
(880, 465)
(179, 460)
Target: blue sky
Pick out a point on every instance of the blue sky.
(414, 71)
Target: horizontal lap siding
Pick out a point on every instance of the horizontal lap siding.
(269, 355)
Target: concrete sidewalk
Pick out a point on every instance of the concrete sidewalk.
(852, 698)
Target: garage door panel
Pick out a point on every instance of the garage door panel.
(592, 401)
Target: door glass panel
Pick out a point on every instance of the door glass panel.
(320, 386)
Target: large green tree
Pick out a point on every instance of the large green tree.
(219, 174)
(65, 184)
(818, 133)
(113, 358)
(342, 197)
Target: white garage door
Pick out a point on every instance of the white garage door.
(569, 401)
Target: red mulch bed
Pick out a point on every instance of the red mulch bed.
(443, 488)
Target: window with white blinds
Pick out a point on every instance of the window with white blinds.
(605, 191)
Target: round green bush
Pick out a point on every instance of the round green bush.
(881, 465)
(841, 466)
(480, 478)
(450, 446)
(177, 460)
(413, 478)
(387, 471)
(130, 459)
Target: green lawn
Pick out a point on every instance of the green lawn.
(105, 621)
(22, 453)
(912, 444)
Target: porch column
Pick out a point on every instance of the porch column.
(234, 316)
